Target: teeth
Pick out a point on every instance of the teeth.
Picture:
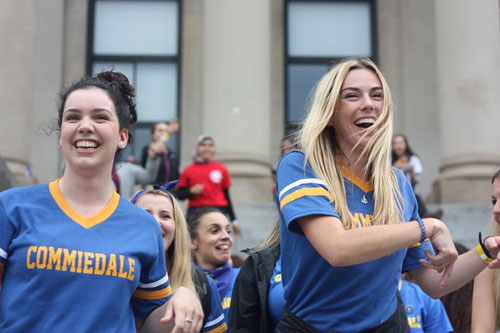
(365, 121)
(86, 144)
(223, 247)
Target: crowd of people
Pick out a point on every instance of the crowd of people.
(353, 249)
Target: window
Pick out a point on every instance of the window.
(139, 38)
(318, 34)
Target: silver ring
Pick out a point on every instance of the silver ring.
(189, 320)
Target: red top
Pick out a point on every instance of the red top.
(216, 179)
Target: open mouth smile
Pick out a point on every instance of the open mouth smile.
(365, 122)
(86, 145)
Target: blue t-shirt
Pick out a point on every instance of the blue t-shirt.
(226, 300)
(215, 322)
(275, 299)
(424, 313)
(66, 273)
(344, 299)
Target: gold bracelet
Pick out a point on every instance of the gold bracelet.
(484, 258)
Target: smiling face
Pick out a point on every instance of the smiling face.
(206, 150)
(90, 131)
(398, 145)
(360, 103)
(213, 243)
(495, 199)
(162, 210)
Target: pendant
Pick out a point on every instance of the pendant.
(363, 200)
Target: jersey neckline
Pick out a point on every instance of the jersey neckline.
(365, 186)
(89, 222)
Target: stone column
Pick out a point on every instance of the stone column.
(230, 64)
(468, 56)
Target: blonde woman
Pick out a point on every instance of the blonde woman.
(486, 296)
(349, 223)
(158, 201)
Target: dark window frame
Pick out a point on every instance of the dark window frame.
(134, 59)
(329, 61)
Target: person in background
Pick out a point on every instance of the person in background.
(404, 159)
(212, 245)
(75, 256)
(206, 182)
(486, 295)
(126, 175)
(160, 203)
(425, 314)
(160, 135)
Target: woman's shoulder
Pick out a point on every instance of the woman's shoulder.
(293, 157)
(24, 193)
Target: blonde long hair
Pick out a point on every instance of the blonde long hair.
(179, 252)
(318, 141)
(495, 230)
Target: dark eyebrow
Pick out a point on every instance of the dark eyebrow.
(97, 110)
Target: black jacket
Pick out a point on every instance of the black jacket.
(248, 312)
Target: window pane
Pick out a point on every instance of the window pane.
(335, 29)
(135, 27)
(301, 81)
(156, 91)
(126, 68)
(142, 137)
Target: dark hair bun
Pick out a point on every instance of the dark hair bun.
(126, 89)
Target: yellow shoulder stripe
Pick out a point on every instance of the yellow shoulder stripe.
(156, 294)
(307, 191)
(220, 329)
(1, 266)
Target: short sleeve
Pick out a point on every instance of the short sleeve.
(215, 322)
(416, 164)
(154, 286)
(7, 231)
(299, 192)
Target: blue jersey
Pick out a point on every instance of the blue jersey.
(424, 313)
(275, 299)
(215, 322)
(226, 299)
(344, 299)
(63, 272)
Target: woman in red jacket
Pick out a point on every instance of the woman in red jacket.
(206, 182)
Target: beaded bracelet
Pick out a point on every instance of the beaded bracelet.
(422, 230)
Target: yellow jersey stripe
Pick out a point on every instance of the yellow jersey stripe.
(220, 329)
(307, 191)
(87, 223)
(156, 294)
(1, 266)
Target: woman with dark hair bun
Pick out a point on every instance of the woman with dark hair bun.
(74, 255)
